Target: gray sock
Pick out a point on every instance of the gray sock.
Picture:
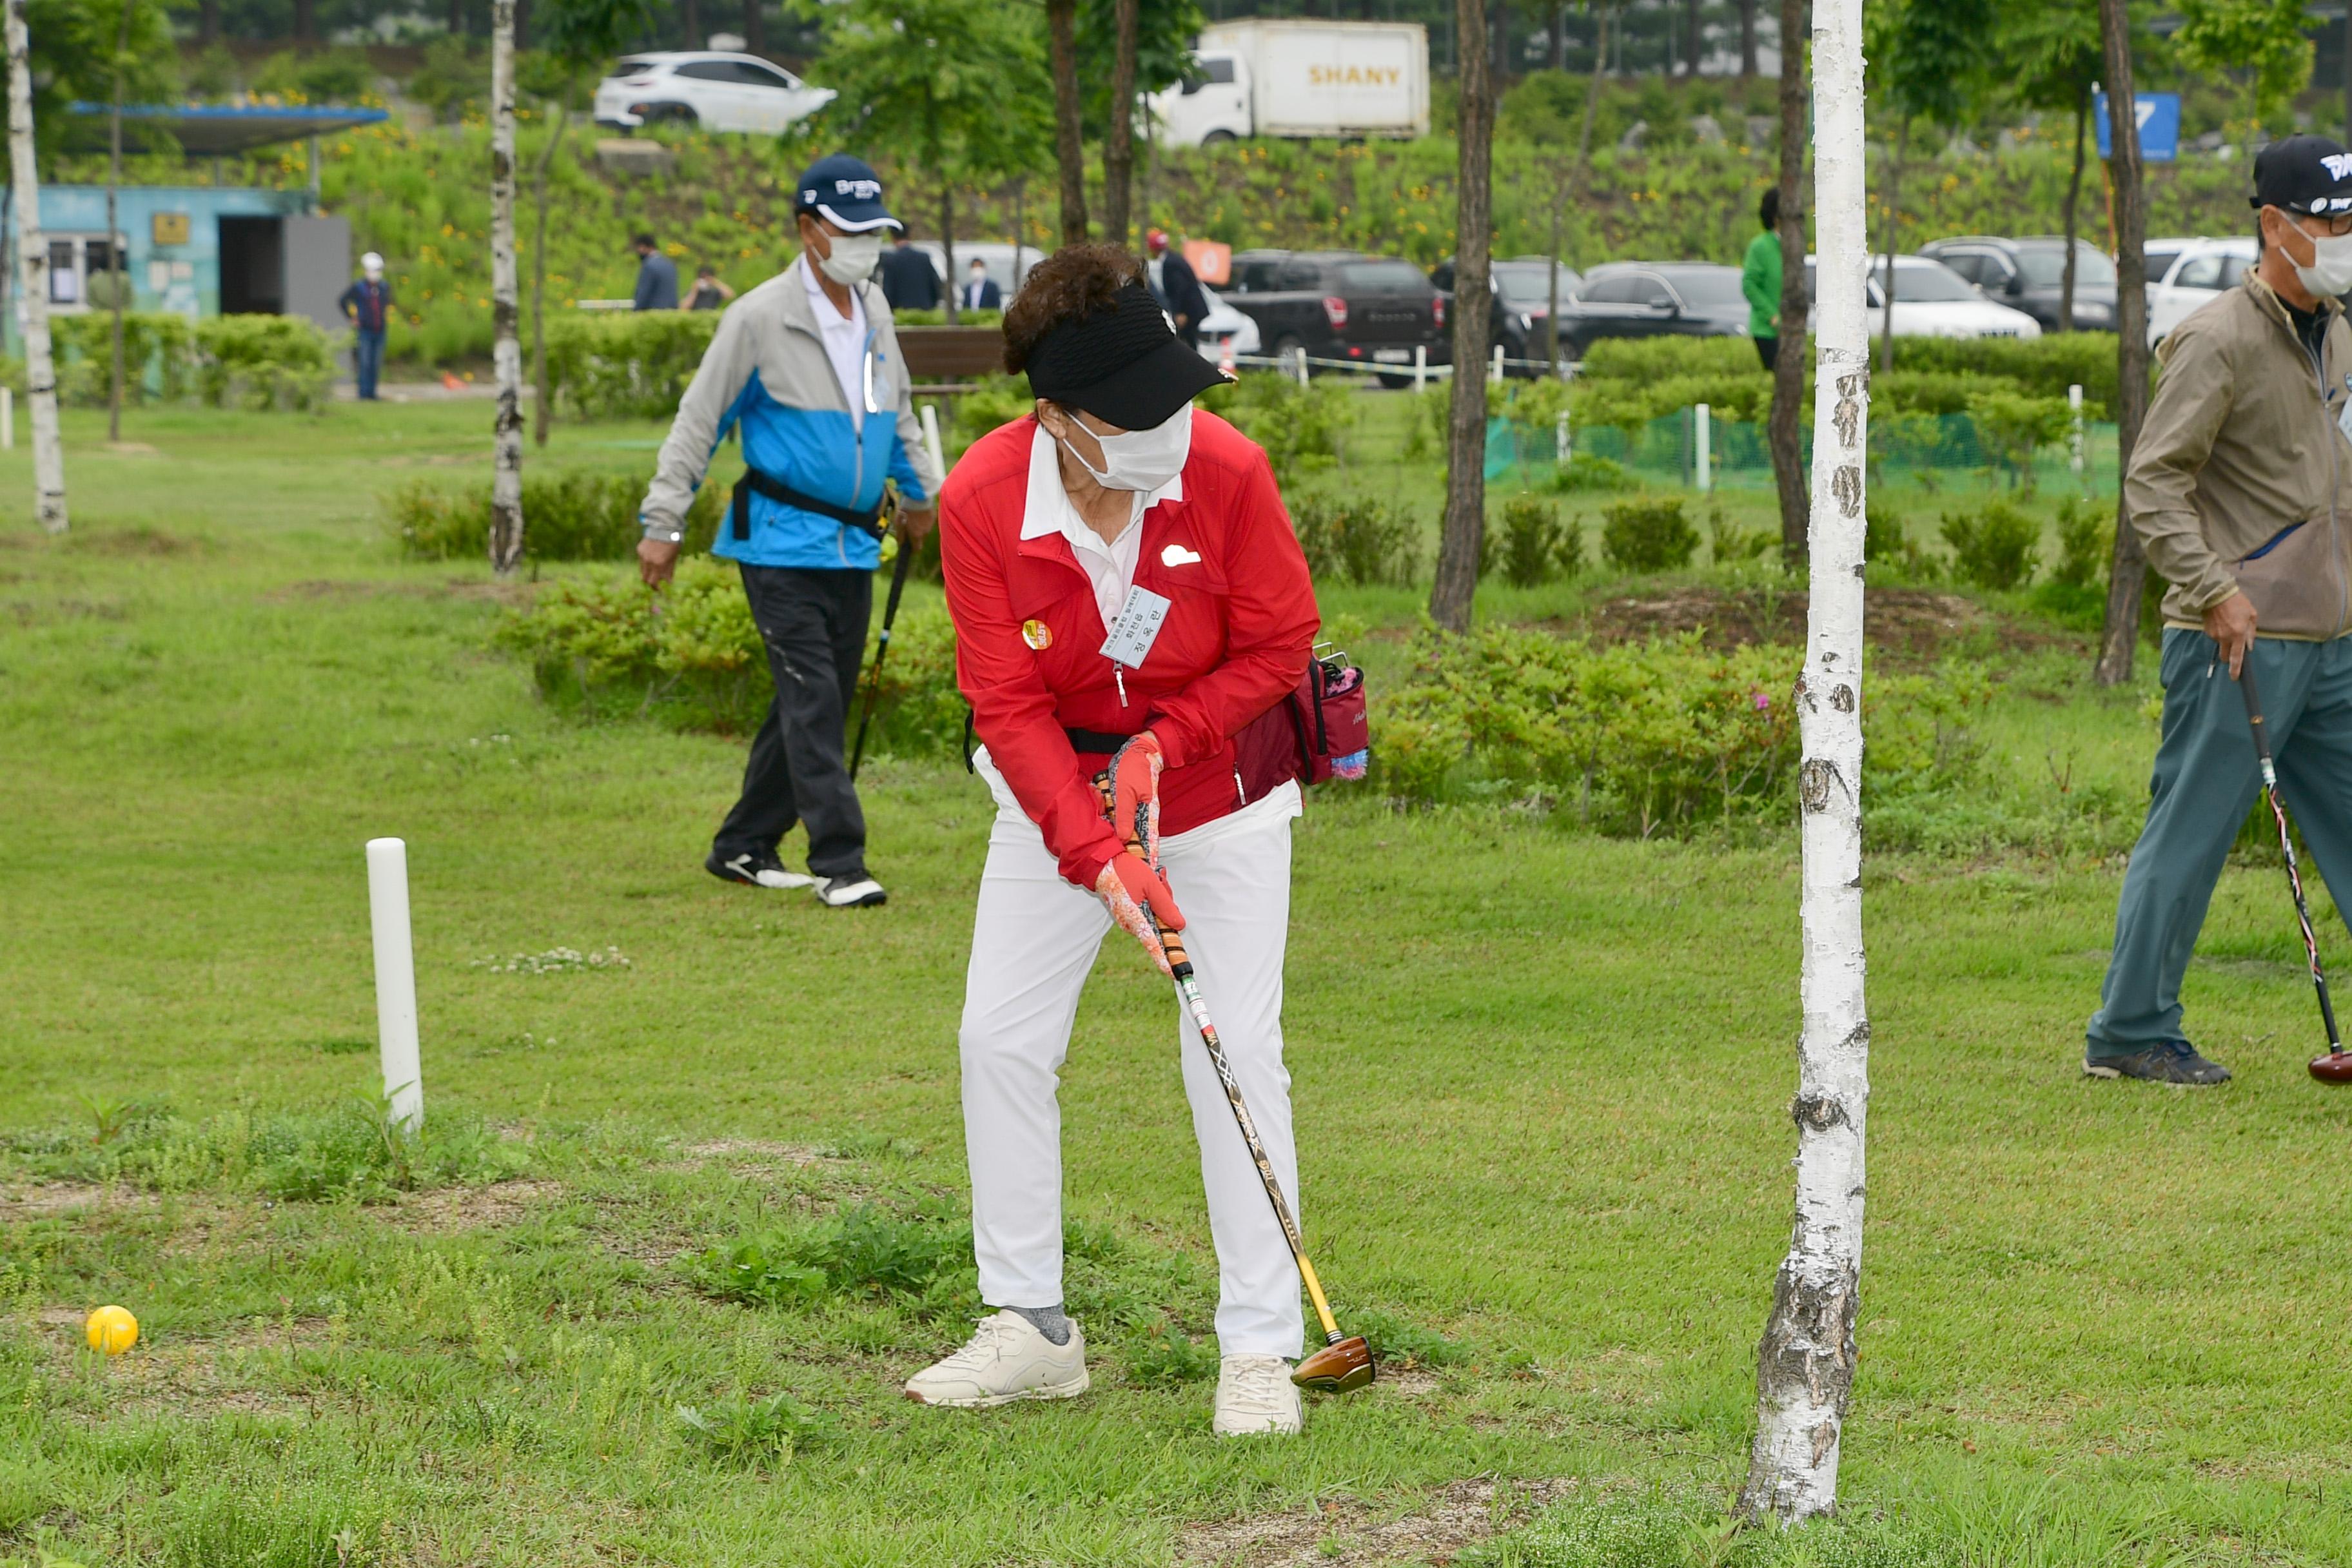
(1050, 1322)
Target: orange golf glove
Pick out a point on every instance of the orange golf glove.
(1135, 793)
(1134, 892)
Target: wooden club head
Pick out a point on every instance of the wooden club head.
(2336, 1066)
(1337, 1368)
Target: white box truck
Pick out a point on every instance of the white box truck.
(1299, 79)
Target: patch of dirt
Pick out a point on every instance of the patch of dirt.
(184, 1375)
(133, 449)
(745, 1150)
(470, 1208)
(1913, 622)
(318, 590)
(1355, 1534)
(140, 540)
(47, 612)
(50, 1199)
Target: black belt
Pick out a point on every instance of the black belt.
(775, 490)
(1096, 742)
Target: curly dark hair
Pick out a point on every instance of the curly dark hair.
(1074, 281)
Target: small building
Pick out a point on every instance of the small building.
(205, 251)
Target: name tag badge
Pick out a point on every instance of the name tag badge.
(2344, 416)
(1137, 628)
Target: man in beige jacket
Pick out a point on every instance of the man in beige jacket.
(2241, 488)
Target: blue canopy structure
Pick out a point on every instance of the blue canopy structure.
(201, 129)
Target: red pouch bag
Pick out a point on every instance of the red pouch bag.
(1321, 730)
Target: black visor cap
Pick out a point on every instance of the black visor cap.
(1123, 365)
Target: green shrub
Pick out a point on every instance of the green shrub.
(1358, 540)
(2012, 426)
(1584, 471)
(566, 517)
(624, 364)
(861, 1250)
(993, 401)
(1533, 541)
(340, 75)
(263, 361)
(159, 354)
(1299, 426)
(757, 1431)
(1728, 542)
(1993, 548)
(2076, 594)
(1647, 534)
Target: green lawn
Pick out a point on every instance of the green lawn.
(1542, 1080)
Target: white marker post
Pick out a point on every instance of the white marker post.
(1497, 378)
(931, 439)
(1419, 366)
(8, 419)
(1703, 440)
(2075, 435)
(395, 980)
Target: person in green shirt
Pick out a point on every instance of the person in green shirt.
(1760, 279)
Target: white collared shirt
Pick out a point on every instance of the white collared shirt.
(844, 341)
(1110, 566)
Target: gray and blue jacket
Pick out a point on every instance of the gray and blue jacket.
(766, 369)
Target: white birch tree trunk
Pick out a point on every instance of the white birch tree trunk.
(506, 350)
(1805, 1365)
(33, 256)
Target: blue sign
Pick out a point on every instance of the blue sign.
(2158, 114)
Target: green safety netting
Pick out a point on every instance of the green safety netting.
(1939, 451)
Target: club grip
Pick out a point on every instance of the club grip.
(2246, 689)
(1172, 942)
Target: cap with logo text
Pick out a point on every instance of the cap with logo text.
(2303, 174)
(846, 193)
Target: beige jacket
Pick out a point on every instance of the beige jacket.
(2242, 475)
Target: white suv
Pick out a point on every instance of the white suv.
(2184, 276)
(706, 90)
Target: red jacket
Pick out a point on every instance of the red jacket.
(1240, 628)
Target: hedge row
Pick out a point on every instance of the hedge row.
(224, 362)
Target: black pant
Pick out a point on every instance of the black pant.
(1768, 350)
(813, 623)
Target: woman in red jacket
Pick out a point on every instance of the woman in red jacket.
(1119, 565)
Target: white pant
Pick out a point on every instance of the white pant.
(1034, 941)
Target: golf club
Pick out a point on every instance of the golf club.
(889, 614)
(2336, 1066)
(1345, 1362)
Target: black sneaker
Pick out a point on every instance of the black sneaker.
(2167, 1061)
(757, 869)
(854, 891)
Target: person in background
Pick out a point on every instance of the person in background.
(367, 305)
(807, 365)
(656, 277)
(1759, 280)
(2236, 490)
(1176, 287)
(909, 281)
(709, 293)
(979, 290)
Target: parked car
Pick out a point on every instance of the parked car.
(2030, 275)
(706, 89)
(2184, 276)
(1341, 304)
(1654, 299)
(1522, 288)
(1225, 330)
(1931, 300)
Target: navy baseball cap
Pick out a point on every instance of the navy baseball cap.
(846, 193)
(2304, 175)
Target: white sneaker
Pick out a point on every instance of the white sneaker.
(1255, 1394)
(759, 870)
(857, 892)
(1006, 1359)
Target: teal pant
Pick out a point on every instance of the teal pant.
(2206, 781)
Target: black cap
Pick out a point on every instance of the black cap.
(2303, 174)
(1123, 364)
(844, 190)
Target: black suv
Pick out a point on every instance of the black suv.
(2028, 275)
(1654, 299)
(1372, 310)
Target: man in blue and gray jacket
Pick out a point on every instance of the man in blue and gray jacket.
(808, 366)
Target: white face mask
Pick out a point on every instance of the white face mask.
(2330, 271)
(854, 258)
(1142, 459)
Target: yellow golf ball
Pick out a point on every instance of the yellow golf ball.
(112, 1330)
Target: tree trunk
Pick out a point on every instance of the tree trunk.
(1894, 206)
(506, 351)
(1559, 37)
(1551, 310)
(208, 21)
(1781, 426)
(114, 247)
(305, 26)
(689, 15)
(1465, 468)
(523, 24)
(1748, 41)
(2130, 564)
(755, 27)
(456, 16)
(33, 255)
(1069, 143)
(947, 242)
(1592, 99)
(1118, 140)
(1691, 42)
(542, 412)
(1804, 1372)
(2074, 207)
